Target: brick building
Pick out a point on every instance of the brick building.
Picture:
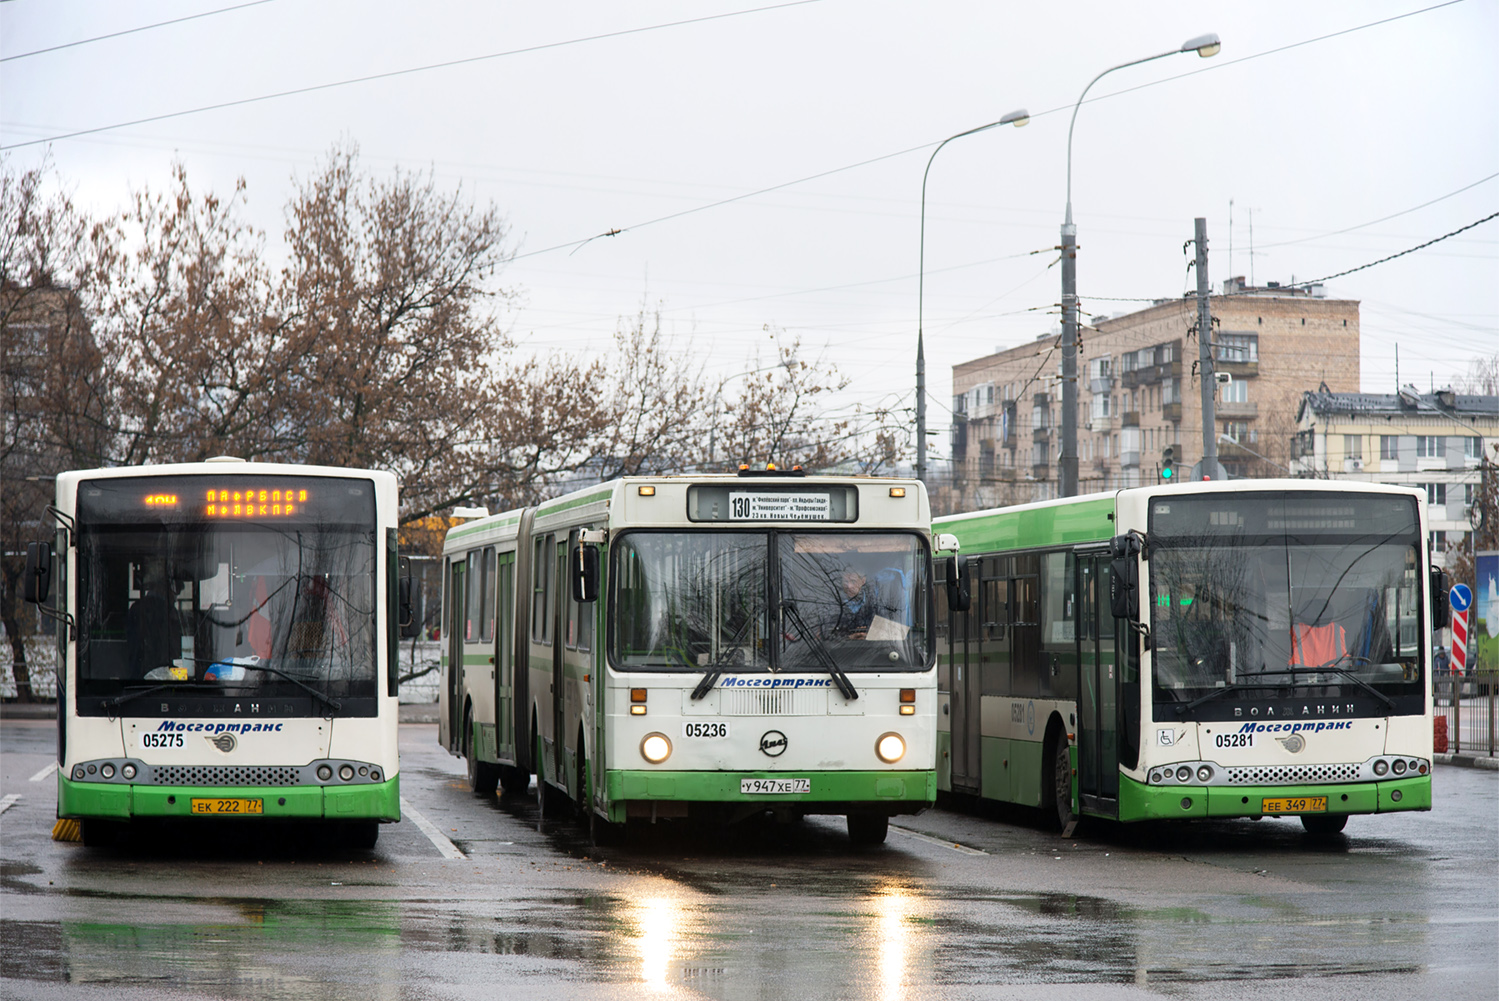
(1138, 392)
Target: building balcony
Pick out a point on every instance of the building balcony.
(1041, 434)
(1102, 385)
(1171, 411)
(1237, 411)
(1129, 460)
(1130, 419)
(1039, 471)
(1237, 369)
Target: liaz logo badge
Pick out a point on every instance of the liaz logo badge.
(225, 742)
(1294, 743)
(773, 743)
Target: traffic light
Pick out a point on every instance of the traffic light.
(1168, 460)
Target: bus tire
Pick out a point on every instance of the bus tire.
(867, 828)
(1324, 825)
(482, 775)
(514, 781)
(1058, 795)
(101, 833)
(361, 835)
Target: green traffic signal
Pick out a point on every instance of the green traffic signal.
(1166, 473)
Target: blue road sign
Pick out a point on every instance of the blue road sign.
(1462, 597)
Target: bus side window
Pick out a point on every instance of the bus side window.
(475, 608)
(541, 591)
(486, 595)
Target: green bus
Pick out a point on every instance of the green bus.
(1223, 649)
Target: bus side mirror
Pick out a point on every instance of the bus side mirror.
(958, 598)
(1441, 605)
(409, 599)
(36, 585)
(585, 572)
(1124, 581)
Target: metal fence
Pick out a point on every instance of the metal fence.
(1465, 714)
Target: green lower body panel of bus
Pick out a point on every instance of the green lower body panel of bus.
(117, 801)
(1138, 801)
(895, 792)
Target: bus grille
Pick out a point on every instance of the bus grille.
(1295, 774)
(226, 775)
(773, 702)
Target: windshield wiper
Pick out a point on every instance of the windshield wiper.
(725, 653)
(120, 700)
(821, 653)
(1296, 669)
(331, 702)
(1216, 693)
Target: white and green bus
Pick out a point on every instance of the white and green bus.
(1227, 649)
(227, 645)
(712, 646)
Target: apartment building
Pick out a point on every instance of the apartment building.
(1138, 393)
(1435, 441)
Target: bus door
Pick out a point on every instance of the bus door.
(966, 752)
(1097, 687)
(504, 661)
(561, 595)
(453, 630)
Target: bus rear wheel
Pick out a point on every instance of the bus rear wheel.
(867, 828)
(1060, 780)
(360, 835)
(513, 780)
(1324, 824)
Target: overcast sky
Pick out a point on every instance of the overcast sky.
(1313, 120)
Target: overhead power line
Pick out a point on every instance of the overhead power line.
(616, 231)
(1376, 222)
(1412, 250)
(131, 31)
(409, 70)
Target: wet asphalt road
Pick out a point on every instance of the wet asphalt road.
(955, 905)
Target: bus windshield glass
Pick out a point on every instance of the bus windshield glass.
(236, 586)
(770, 601)
(1273, 597)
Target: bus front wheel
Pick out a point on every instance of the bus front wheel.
(1059, 781)
(867, 828)
(1324, 824)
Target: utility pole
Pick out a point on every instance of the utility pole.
(920, 410)
(1210, 468)
(1067, 461)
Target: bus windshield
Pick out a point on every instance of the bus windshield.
(1264, 596)
(771, 601)
(179, 591)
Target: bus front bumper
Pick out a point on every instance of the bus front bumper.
(830, 792)
(117, 801)
(1138, 801)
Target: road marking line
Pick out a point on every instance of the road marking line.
(44, 773)
(950, 845)
(9, 801)
(448, 849)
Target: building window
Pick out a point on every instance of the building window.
(1353, 446)
(1236, 392)
(1428, 446)
(1472, 448)
(1469, 491)
(1439, 542)
(1237, 430)
(1389, 446)
(1171, 391)
(1238, 347)
(1101, 406)
(1436, 493)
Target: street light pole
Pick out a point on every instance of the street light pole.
(1017, 118)
(1204, 46)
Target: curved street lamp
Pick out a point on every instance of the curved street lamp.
(1205, 46)
(1018, 118)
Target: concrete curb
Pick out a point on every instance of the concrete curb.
(1468, 761)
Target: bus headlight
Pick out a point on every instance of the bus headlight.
(890, 748)
(1398, 767)
(1381, 767)
(128, 771)
(1204, 774)
(655, 748)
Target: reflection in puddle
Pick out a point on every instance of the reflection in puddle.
(893, 907)
(657, 922)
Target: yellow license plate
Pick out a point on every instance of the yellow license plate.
(233, 806)
(1294, 804)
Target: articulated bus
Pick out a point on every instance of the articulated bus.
(226, 645)
(1225, 649)
(712, 646)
